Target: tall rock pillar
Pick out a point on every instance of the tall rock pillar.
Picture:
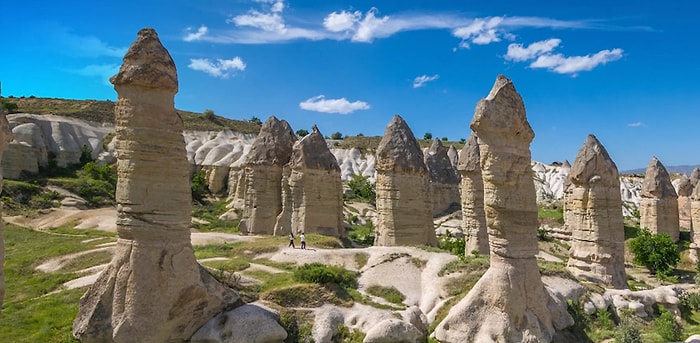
(444, 180)
(593, 214)
(271, 150)
(404, 210)
(684, 189)
(5, 139)
(472, 189)
(509, 303)
(153, 289)
(658, 207)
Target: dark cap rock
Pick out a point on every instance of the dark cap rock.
(147, 64)
(470, 157)
(439, 165)
(274, 143)
(312, 152)
(657, 182)
(593, 164)
(398, 150)
(501, 114)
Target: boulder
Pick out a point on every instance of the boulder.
(153, 290)
(444, 180)
(404, 210)
(472, 189)
(658, 208)
(509, 303)
(394, 331)
(312, 191)
(592, 214)
(271, 150)
(326, 323)
(245, 324)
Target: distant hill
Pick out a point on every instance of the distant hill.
(671, 169)
(102, 111)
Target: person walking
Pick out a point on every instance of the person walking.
(303, 241)
(291, 240)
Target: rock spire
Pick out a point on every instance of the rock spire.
(444, 180)
(472, 189)
(5, 139)
(658, 207)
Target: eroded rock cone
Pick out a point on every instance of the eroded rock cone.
(472, 185)
(684, 189)
(5, 139)
(592, 213)
(153, 289)
(406, 219)
(453, 154)
(509, 303)
(312, 190)
(271, 150)
(444, 181)
(695, 176)
(658, 207)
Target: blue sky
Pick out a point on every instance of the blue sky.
(625, 71)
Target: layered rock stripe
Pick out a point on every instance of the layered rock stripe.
(404, 209)
(153, 289)
(658, 207)
(444, 180)
(472, 198)
(592, 214)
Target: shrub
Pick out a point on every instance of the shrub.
(658, 252)
(667, 327)
(320, 273)
(428, 136)
(199, 185)
(9, 107)
(302, 132)
(336, 135)
(362, 189)
(255, 120)
(363, 234)
(452, 244)
(390, 294)
(628, 332)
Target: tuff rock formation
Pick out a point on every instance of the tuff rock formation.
(271, 150)
(684, 189)
(695, 176)
(509, 303)
(695, 217)
(444, 181)
(5, 139)
(472, 189)
(453, 154)
(312, 192)
(592, 213)
(404, 210)
(659, 205)
(153, 290)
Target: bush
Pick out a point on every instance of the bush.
(658, 252)
(255, 120)
(362, 189)
(362, 234)
(9, 107)
(199, 185)
(428, 136)
(667, 327)
(320, 273)
(628, 332)
(452, 244)
(390, 294)
(336, 135)
(302, 133)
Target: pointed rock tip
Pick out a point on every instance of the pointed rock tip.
(502, 114)
(593, 160)
(501, 82)
(147, 64)
(398, 150)
(470, 157)
(435, 145)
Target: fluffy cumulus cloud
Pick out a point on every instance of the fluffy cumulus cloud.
(369, 26)
(195, 36)
(420, 81)
(561, 64)
(269, 19)
(480, 31)
(518, 53)
(341, 21)
(220, 68)
(342, 105)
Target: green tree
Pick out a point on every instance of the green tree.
(302, 132)
(9, 107)
(428, 136)
(209, 114)
(462, 140)
(362, 188)
(256, 120)
(444, 139)
(336, 135)
(199, 185)
(658, 252)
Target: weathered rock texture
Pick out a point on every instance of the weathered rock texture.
(444, 180)
(592, 212)
(271, 150)
(453, 154)
(684, 188)
(659, 205)
(403, 189)
(312, 192)
(472, 189)
(153, 290)
(5, 139)
(509, 303)
(695, 176)
(695, 217)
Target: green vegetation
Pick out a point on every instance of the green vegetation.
(452, 244)
(362, 234)
(657, 252)
(8, 106)
(302, 132)
(199, 185)
(336, 135)
(667, 327)
(321, 273)
(362, 189)
(428, 136)
(628, 332)
(25, 198)
(390, 293)
(552, 216)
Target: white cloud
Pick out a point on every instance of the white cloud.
(341, 21)
(272, 22)
(480, 31)
(558, 63)
(194, 36)
(369, 26)
(636, 124)
(420, 81)
(219, 68)
(517, 53)
(342, 105)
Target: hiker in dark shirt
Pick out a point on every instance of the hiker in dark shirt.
(291, 240)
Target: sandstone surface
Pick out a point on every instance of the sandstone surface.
(404, 209)
(153, 289)
(684, 189)
(592, 213)
(509, 303)
(444, 180)
(245, 324)
(453, 154)
(659, 204)
(472, 190)
(271, 150)
(5, 139)
(312, 191)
